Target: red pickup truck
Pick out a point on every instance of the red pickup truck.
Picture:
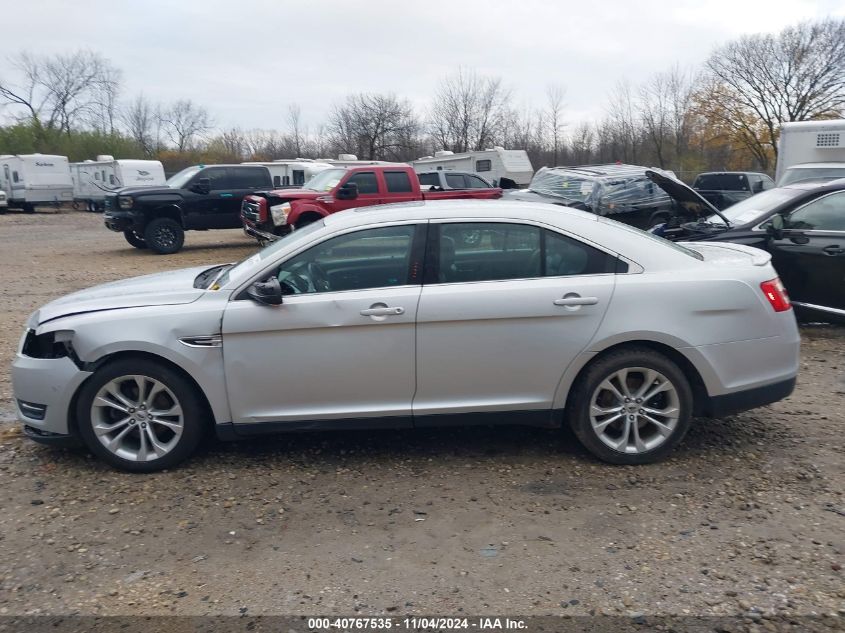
(268, 215)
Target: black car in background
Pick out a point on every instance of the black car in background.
(725, 188)
(621, 192)
(802, 225)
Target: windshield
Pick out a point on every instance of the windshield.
(797, 174)
(179, 180)
(325, 180)
(242, 269)
(562, 185)
(752, 208)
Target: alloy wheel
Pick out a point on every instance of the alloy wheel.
(634, 410)
(137, 418)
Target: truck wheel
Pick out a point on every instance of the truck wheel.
(164, 236)
(28, 207)
(75, 205)
(134, 239)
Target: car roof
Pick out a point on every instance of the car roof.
(601, 171)
(832, 185)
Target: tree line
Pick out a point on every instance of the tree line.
(724, 115)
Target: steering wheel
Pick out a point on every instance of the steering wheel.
(318, 276)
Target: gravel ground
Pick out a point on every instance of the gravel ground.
(747, 517)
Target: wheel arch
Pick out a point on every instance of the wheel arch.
(307, 210)
(690, 370)
(209, 417)
(172, 211)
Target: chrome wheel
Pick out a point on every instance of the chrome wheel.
(634, 410)
(137, 418)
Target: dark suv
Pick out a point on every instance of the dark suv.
(197, 198)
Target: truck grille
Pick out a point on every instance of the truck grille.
(250, 210)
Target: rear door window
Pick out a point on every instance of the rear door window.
(474, 182)
(397, 182)
(247, 178)
(429, 180)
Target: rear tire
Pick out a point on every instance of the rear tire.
(113, 413)
(164, 236)
(134, 239)
(632, 406)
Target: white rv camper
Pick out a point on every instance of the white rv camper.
(292, 172)
(94, 179)
(33, 179)
(351, 160)
(506, 168)
(811, 150)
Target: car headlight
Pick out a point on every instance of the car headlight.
(125, 202)
(279, 213)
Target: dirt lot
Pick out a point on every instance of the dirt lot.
(748, 517)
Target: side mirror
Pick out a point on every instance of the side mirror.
(775, 228)
(267, 293)
(348, 191)
(757, 187)
(202, 185)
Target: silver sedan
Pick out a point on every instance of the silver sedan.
(410, 316)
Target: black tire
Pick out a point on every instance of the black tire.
(579, 408)
(28, 207)
(188, 398)
(164, 236)
(134, 239)
(75, 205)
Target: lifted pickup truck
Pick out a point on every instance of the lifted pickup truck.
(268, 215)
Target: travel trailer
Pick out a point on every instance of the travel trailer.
(351, 160)
(35, 179)
(811, 150)
(293, 172)
(505, 168)
(94, 179)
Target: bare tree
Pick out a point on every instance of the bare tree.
(295, 127)
(61, 91)
(468, 111)
(375, 126)
(796, 75)
(622, 125)
(185, 122)
(655, 108)
(582, 142)
(140, 119)
(553, 119)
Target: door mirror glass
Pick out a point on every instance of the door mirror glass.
(349, 191)
(202, 185)
(266, 292)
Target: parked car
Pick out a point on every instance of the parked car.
(4, 201)
(802, 225)
(443, 180)
(378, 318)
(724, 188)
(268, 215)
(197, 198)
(620, 192)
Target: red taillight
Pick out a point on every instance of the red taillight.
(776, 294)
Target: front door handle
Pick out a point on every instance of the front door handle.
(574, 299)
(834, 249)
(382, 311)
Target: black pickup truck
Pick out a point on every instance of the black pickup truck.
(197, 198)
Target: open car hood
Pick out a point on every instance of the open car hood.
(168, 288)
(684, 194)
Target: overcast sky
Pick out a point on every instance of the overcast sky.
(247, 60)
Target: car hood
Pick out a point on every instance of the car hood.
(299, 194)
(169, 288)
(133, 191)
(681, 192)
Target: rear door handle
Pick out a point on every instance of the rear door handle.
(834, 249)
(576, 300)
(385, 311)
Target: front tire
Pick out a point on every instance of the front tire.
(134, 239)
(164, 236)
(139, 415)
(632, 406)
